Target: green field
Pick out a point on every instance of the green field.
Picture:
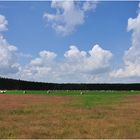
(87, 99)
(68, 114)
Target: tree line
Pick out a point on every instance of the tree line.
(13, 84)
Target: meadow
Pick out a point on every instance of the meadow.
(68, 114)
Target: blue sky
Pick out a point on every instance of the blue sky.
(70, 41)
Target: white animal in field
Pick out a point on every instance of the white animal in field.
(48, 91)
(2, 91)
(24, 91)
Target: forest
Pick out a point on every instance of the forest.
(13, 84)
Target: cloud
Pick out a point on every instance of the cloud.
(3, 23)
(93, 61)
(39, 68)
(8, 53)
(131, 57)
(74, 54)
(69, 15)
(89, 5)
(8, 56)
(77, 66)
(45, 57)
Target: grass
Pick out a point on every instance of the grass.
(62, 114)
(88, 99)
(70, 92)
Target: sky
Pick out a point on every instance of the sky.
(70, 41)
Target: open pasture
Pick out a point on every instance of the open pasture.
(68, 114)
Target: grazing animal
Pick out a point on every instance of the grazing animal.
(2, 91)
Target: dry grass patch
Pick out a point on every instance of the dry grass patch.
(42, 116)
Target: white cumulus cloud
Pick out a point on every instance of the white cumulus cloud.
(8, 53)
(95, 60)
(8, 56)
(39, 68)
(69, 14)
(3, 23)
(44, 58)
(89, 5)
(74, 53)
(77, 66)
(131, 58)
